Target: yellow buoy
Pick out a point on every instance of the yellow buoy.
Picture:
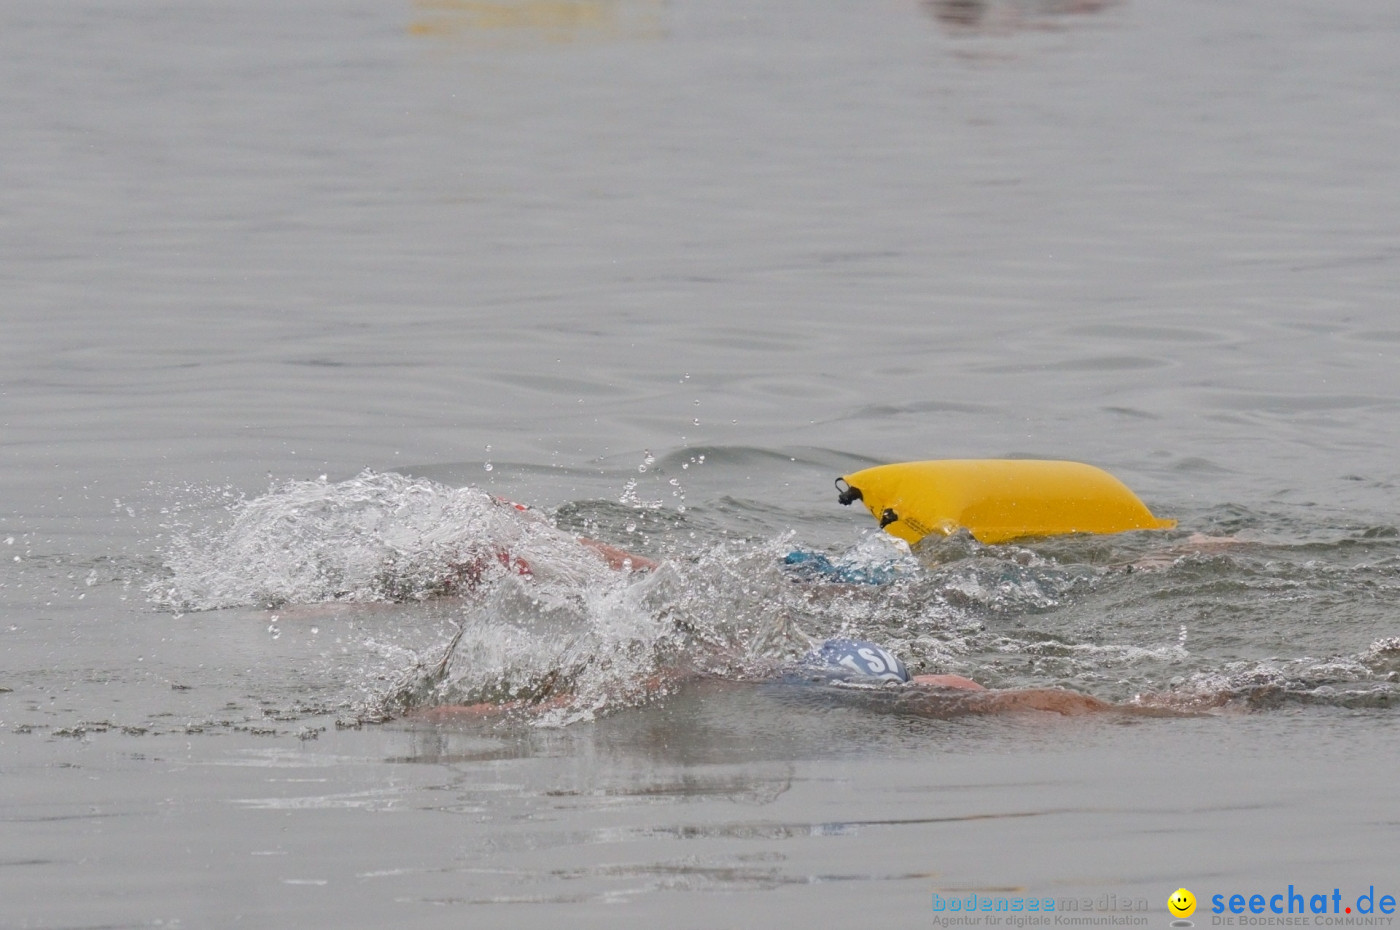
(997, 499)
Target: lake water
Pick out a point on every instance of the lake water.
(283, 285)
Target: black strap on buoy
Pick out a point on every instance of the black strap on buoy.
(847, 493)
(888, 517)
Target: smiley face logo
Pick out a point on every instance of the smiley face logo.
(1182, 903)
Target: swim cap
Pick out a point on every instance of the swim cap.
(813, 566)
(856, 660)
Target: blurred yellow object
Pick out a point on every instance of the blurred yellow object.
(525, 23)
(997, 500)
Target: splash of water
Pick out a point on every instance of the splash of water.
(375, 537)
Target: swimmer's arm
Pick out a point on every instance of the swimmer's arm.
(487, 710)
(467, 575)
(1052, 700)
(1195, 544)
(483, 710)
(1048, 700)
(620, 559)
(979, 700)
(946, 681)
(616, 557)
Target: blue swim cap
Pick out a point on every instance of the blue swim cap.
(856, 660)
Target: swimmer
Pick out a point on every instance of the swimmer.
(810, 565)
(854, 671)
(507, 539)
(856, 664)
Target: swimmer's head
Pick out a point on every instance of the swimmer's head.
(856, 660)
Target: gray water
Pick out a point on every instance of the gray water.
(283, 284)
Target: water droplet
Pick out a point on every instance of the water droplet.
(488, 466)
